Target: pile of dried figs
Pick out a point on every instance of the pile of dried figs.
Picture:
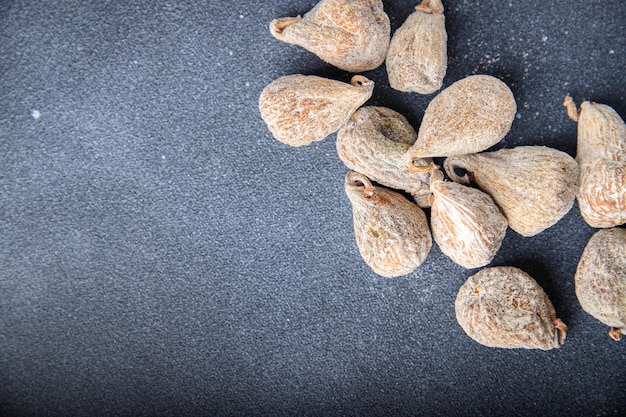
(526, 188)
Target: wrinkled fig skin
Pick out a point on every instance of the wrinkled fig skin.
(601, 279)
(301, 109)
(504, 307)
(374, 141)
(352, 35)
(391, 232)
(466, 223)
(470, 116)
(535, 186)
(601, 154)
(417, 57)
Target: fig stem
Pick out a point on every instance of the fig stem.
(359, 180)
(430, 6)
(450, 164)
(278, 25)
(359, 81)
(561, 332)
(572, 112)
(615, 334)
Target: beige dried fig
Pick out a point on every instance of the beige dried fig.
(534, 186)
(374, 141)
(601, 279)
(417, 56)
(352, 35)
(601, 154)
(466, 223)
(505, 307)
(391, 232)
(469, 116)
(301, 109)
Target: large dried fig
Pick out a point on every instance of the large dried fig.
(301, 109)
(601, 154)
(534, 186)
(352, 35)
(391, 232)
(505, 307)
(466, 223)
(601, 279)
(374, 141)
(469, 116)
(417, 56)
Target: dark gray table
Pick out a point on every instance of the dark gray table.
(162, 254)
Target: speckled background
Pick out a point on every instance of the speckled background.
(162, 254)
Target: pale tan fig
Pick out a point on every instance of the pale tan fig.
(601, 279)
(374, 141)
(466, 223)
(417, 56)
(352, 35)
(391, 232)
(301, 109)
(535, 186)
(505, 307)
(601, 154)
(469, 116)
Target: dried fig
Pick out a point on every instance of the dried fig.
(600, 279)
(505, 307)
(601, 154)
(466, 223)
(352, 35)
(417, 56)
(534, 186)
(301, 109)
(469, 116)
(374, 141)
(391, 232)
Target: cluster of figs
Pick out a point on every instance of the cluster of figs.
(526, 188)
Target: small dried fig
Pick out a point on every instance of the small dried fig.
(352, 35)
(417, 56)
(391, 232)
(469, 116)
(301, 109)
(601, 154)
(600, 279)
(534, 186)
(466, 223)
(374, 142)
(505, 307)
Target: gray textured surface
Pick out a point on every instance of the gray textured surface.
(162, 254)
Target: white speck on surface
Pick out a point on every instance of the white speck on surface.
(518, 116)
(247, 83)
(230, 53)
(36, 114)
(544, 38)
(241, 16)
(611, 52)
(162, 156)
